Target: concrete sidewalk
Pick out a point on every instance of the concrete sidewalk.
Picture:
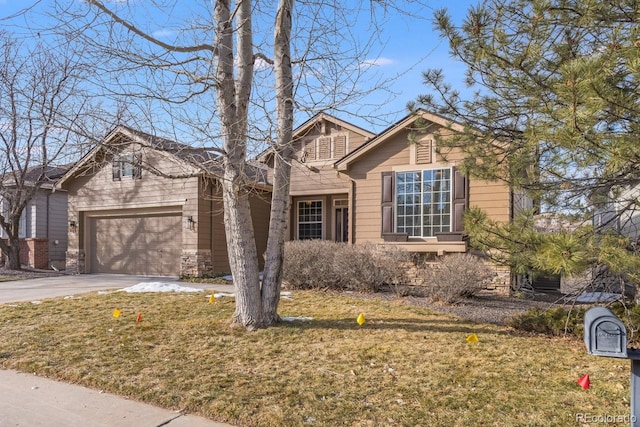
(31, 401)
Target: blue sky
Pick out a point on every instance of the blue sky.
(414, 46)
(409, 45)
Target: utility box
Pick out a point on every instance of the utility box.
(604, 334)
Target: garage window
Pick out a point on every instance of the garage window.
(129, 165)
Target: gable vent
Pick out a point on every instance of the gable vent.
(423, 152)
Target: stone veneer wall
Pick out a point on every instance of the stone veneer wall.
(75, 262)
(196, 263)
(500, 285)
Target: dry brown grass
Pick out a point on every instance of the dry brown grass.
(405, 366)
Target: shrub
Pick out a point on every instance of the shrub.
(328, 265)
(456, 277)
(556, 321)
(308, 264)
(560, 321)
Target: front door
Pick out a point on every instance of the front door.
(342, 224)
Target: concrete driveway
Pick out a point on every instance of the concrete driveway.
(58, 286)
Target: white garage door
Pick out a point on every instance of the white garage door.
(147, 245)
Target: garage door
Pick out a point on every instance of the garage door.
(148, 245)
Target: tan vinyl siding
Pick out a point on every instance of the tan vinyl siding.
(395, 154)
(219, 251)
(315, 170)
(205, 214)
(366, 172)
(260, 212)
(492, 197)
(100, 192)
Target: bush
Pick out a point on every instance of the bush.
(321, 264)
(557, 321)
(458, 276)
(561, 321)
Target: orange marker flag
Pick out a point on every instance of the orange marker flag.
(360, 319)
(116, 313)
(473, 338)
(139, 318)
(212, 298)
(584, 381)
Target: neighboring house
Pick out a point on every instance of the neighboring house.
(43, 223)
(619, 211)
(390, 188)
(139, 204)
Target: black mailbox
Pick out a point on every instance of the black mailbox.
(604, 333)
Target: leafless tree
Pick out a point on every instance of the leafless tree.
(211, 74)
(43, 110)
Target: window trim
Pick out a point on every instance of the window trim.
(321, 222)
(125, 161)
(396, 210)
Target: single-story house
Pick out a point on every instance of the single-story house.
(139, 204)
(349, 185)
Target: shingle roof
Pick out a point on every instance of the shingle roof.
(206, 160)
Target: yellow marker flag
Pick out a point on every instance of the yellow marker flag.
(473, 338)
(360, 319)
(116, 313)
(212, 298)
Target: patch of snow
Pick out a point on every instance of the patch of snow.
(159, 287)
(229, 277)
(224, 295)
(299, 318)
(36, 302)
(285, 294)
(598, 297)
(103, 292)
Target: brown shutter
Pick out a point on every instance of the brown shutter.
(459, 200)
(423, 152)
(340, 146)
(310, 149)
(324, 148)
(387, 202)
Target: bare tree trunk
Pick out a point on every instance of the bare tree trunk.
(233, 99)
(243, 257)
(13, 251)
(13, 255)
(280, 201)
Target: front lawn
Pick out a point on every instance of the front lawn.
(404, 366)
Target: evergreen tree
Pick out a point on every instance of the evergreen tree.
(554, 111)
